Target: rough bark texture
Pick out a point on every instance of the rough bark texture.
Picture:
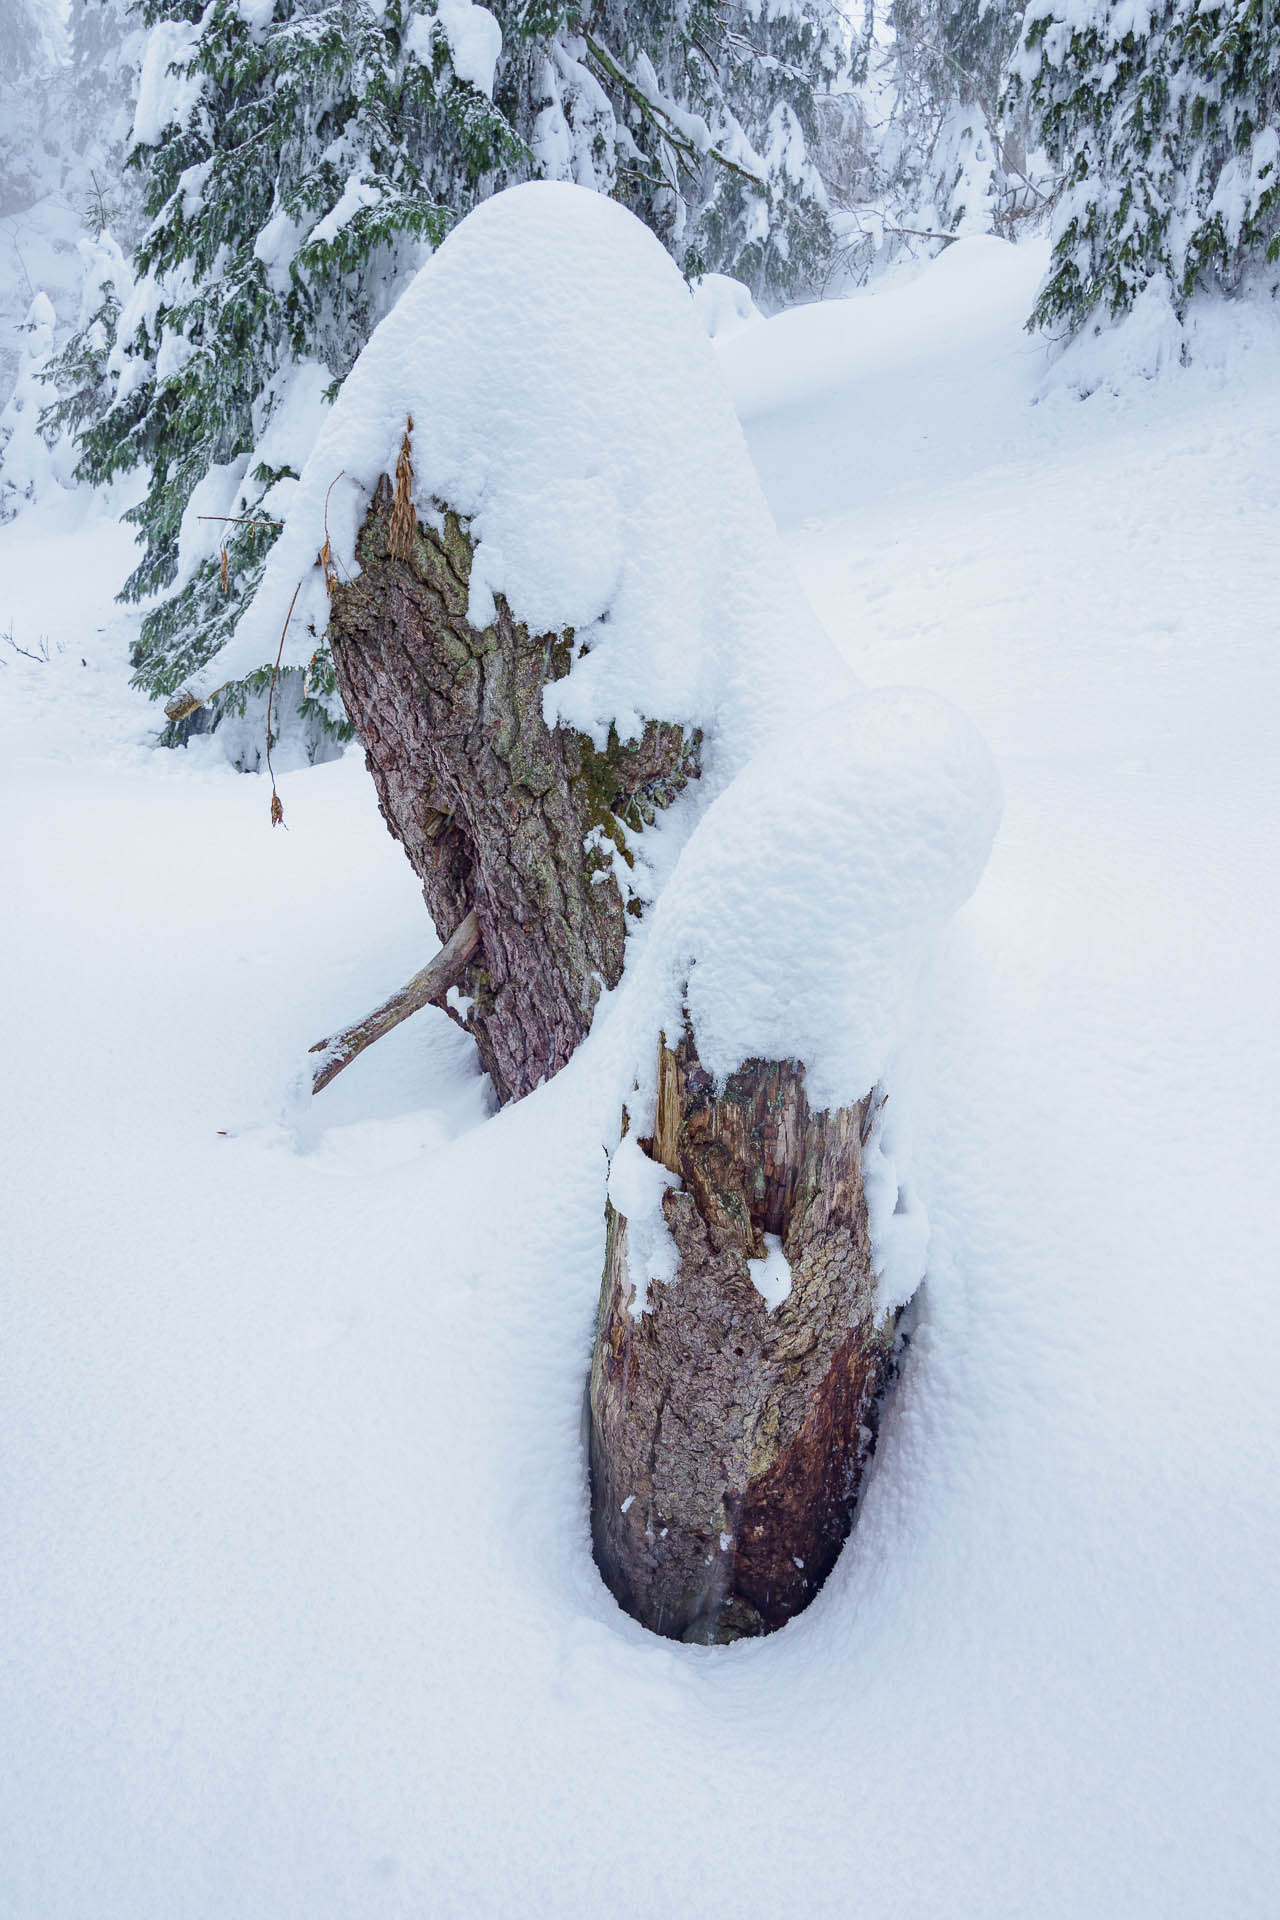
(491, 805)
(727, 1442)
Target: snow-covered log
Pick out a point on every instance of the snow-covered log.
(571, 602)
(760, 1241)
(568, 602)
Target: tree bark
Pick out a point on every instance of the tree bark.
(728, 1441)
(494, 809)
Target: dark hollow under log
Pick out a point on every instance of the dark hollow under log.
(727, 1441)
(494, 808)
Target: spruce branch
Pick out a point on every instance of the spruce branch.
(652, 109)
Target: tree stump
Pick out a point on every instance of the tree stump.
(727, 1441)
(498, 813)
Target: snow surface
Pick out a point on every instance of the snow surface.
(724, 306)
(298, 1611)
(771, 1278)
(811, 892)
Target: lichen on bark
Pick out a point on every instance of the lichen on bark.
(493, 807)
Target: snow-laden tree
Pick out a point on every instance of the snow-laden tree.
(67, 83)
(27, 449)
(952, 63)
(958, 141)
(31, 51)
(1164, 119)
(302, 157)
(105, 54)
(926, 144)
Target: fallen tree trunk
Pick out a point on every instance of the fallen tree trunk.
(500, 815)
(727, 1440)
(432, 982)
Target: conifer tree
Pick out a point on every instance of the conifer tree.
(105, 54)
(30, 52)
(1163, 119)
(960, 144)
(300, 159)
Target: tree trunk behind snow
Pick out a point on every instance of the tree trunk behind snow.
(728, 1440)
(495, 809)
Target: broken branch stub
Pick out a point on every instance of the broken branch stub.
(430, 983)
(497, 812)
(728, 1438)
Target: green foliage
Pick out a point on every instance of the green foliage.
(1162, 118)
(317, 162)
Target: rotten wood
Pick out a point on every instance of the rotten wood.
(728, 1441)
(431, 983)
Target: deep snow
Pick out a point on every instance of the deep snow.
(298, 1613)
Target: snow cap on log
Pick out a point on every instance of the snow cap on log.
(568, 406)
(812, 891)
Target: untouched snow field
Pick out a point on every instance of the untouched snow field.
(297, 1611)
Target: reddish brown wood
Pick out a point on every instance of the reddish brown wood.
(728, 1441)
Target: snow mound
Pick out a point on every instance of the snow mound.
(568, 405)
(724, 306)
(808, 898)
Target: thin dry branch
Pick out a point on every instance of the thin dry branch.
(277, 808)
(432, 983)
(239, 520)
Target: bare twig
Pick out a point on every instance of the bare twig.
(41, 655)
(277, 806)
(239, 520)
(325, 557)
(875, 1108)
(432, 983)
